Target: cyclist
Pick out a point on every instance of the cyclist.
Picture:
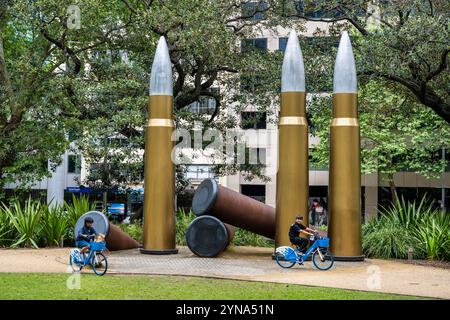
(294, 234)
(85, 234)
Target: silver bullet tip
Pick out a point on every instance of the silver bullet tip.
(293, 70)
(161, 82)
(344, 80)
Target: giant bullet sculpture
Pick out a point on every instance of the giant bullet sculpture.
(159, 173)
(345, 173)
(292, 175)
(207, 236)
(234, 208)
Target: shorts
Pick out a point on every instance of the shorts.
(82, 243)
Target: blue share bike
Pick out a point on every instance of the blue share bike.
(96, 259)
(322, 258)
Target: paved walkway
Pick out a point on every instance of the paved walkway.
(254, 264)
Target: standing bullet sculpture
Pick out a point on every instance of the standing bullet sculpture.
(159, 173)
(292, 175)
(345, 172)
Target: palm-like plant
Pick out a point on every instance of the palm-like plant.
(434, 234)
(407, 224)
(183, 221)
(26, 221)
(6, 228)
(54, 225)
(409, 214)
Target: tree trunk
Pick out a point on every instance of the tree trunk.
(393, 188)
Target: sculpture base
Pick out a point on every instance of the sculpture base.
(158, 252)
(349, 259)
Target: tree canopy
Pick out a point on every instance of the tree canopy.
(79, 70)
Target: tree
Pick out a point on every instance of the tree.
(42, 51)
(204, 44)
(52, 83)
(397, 133)
(404, 42)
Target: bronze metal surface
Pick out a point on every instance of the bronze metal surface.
(159, 179)
(345, 179)
(292, 176)
(244, 212)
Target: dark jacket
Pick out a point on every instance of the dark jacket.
(294, 230)
(89, 232)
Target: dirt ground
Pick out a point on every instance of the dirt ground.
(249, 263)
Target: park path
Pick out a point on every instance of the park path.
(253, 264)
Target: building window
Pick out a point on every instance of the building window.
(253, 120)
(74, 164)
(255, 191)
(257, 155)
(282, 42)
(205, 105)
(254, 10)
(258, 43)
(199, 171)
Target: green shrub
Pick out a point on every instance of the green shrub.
(134, 230)
(26, 221)
(246, 238)
(388, 239)
(54, 225)
(182, 223)
(434, 235)
(409, 214)
(407, 224)
(7, 230)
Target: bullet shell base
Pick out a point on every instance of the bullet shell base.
(158, 252)
(349, 259)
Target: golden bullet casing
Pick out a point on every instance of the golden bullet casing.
(344, 227)
(159, 178)
(292, 175)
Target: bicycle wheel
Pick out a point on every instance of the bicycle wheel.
(282, 261)
(324, 260)
(99, 263)
(76, 266)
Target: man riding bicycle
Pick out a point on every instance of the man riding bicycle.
(294, 234)
(85, 234)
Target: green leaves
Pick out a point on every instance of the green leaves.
(54, 225)
(26, 221)
(407, 224)
(183, 219)
(388, 240)
(32, 224)
(7, 229)
(434, 234)
(397, 134)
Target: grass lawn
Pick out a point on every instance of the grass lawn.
(53, 286)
